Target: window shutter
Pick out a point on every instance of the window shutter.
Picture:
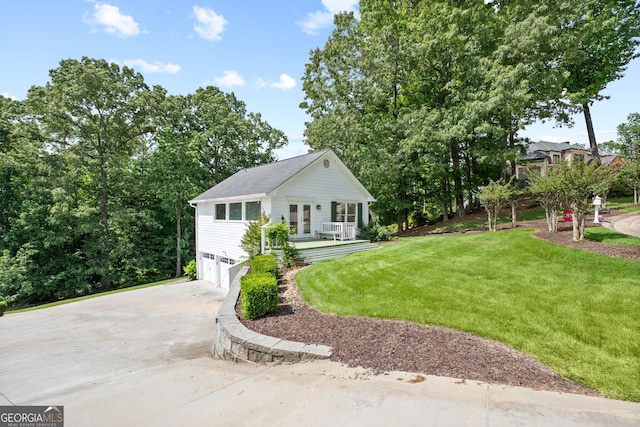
(360, 222)
(334, 211)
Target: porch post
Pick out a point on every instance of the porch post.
(263, 238)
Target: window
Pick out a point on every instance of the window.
(235, 211)
(221, 211)
(579, 157)
(252, 211)
(345, 212)
(556, 158)
(293, 219)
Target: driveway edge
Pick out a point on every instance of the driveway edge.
(233, 341)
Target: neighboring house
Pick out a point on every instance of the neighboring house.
(311, 193)
(611, 159)
(538, 156)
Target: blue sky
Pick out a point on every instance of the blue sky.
(255, 48)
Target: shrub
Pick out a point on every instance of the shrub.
(278, 235)
(252, 239)
(190, 270)
(375, 232)
(289, 254)
(3, 307)
(264, 264)
(259, 294)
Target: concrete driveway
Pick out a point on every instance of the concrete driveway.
(141, 358)
(625, 223)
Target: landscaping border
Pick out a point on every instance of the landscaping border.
(233, 341)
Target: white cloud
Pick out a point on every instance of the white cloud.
(318, 20)
(113, 21)
(156, 67)
(286, 82)
(229, 79)
(210, 25)
(6, 95)
(335, 6)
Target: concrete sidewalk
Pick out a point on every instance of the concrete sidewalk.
(141, 358)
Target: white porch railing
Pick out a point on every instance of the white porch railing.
(338, 230)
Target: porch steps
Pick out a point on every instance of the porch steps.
(321, 253)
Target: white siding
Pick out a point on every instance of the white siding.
(318, 185)
(221, 237)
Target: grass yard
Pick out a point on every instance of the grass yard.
(576, 311)
(606, 235)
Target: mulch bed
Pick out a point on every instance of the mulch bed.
(388, 345)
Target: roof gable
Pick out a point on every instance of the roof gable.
(260, 180)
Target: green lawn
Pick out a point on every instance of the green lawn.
(577, 312)
(606, 235)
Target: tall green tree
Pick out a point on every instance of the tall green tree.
(176, 176)
(96, 114)
(225, 137)
(600, 39)
(629, 137)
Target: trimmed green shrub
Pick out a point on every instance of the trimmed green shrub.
(259, 294)
(375, 232)
(3, 307)
(190, 270)
(264, 264)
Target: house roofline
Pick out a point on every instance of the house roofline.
(243, 198)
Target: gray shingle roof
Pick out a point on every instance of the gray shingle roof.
(551, 146)
(260, 179)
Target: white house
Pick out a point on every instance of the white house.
(315, 194)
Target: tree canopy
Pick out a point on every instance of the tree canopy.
(96, 168)
(424, 100)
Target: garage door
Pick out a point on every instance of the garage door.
(208, 268)
(215, 269)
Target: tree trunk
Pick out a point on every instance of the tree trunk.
(445, 199)
(592, 136)
(489, 220)
(575, 233)
(178, 237)
(457, 178)
(105, 243)
(513, 214)
(512, 144)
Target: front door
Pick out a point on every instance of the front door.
(299, 220)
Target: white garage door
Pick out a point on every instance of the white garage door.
(215, 269)
(208, 268)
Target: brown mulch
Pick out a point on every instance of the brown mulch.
(388, 345)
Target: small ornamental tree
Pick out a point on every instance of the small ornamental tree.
(494, 197)
(580, 181)
(517, 194)
(547, 189)
(630, 174)
(252, 240)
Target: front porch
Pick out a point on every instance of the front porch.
(311, 251)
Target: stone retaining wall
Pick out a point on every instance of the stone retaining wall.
(233, 341)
